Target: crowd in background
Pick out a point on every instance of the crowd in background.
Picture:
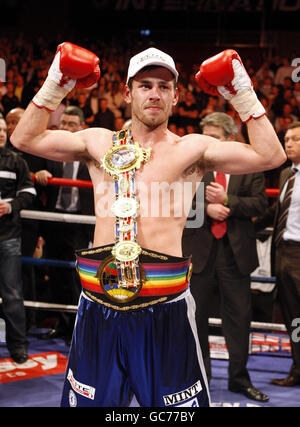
(27, 65)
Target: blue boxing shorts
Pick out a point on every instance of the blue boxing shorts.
(152, 353)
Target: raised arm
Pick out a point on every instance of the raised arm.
(72, 66)
(224, 74)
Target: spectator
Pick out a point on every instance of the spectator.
(110, 74)
(17, 192)
(264, 72)
(105, 117)
(256, 87)
(29, 90)
(10, 76)
(9, 100)
(3, 89)
(230, 111)
(181, 131)
(267, 105)
(295, 107)
(210, 108)
(224, 254)
(284, 215)
(102, 90)
(266, 87)
(63, 238)
(1, 106)
(70, 99)
(188, 111)
(93, 101)
(276, 99)
(119, 123)
(30, 228)
(19, 87)
(12, 118)
(190, 129)
(288, 83)
(172, 127)
(182, 91)
(83, 104)
(201, 98)
(25, 72)
(296, 92)
(275, 64)
(286, 112)
(54, 119)
(285, 70)
(115, 97)
(287, 95)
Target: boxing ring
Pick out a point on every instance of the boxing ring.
(91, 220)
(268, 342)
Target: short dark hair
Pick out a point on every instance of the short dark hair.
(294, 125)
(72, 110)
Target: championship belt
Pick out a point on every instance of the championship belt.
(120, 275)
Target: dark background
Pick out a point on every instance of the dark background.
(258, 28)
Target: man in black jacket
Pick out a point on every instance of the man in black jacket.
(224, 253)
(63, 238)
(105, 117)
(17, 193)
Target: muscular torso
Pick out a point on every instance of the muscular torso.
(164, 193)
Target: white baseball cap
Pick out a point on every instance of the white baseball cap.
(151, 56)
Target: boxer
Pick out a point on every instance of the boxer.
(135, 331)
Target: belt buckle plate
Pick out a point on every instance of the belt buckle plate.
(120, 289)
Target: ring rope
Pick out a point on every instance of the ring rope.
(58, 217)
(212, 321)
(254, 325)
(68, 182)
(48, 262)
(270, 192)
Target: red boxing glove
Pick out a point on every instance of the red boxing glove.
(218, 71)
(224, 74)
(73, 66)
(78, 63)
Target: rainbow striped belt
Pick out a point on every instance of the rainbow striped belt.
(165, 277)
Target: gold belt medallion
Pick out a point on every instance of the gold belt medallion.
(123, 158)
(126, 250)
(118, 288)
(120, 275)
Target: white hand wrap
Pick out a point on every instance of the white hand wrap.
(50, 95)
(247, 105)
(245, 102)
(55, 87)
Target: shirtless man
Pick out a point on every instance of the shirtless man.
(146, 344)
